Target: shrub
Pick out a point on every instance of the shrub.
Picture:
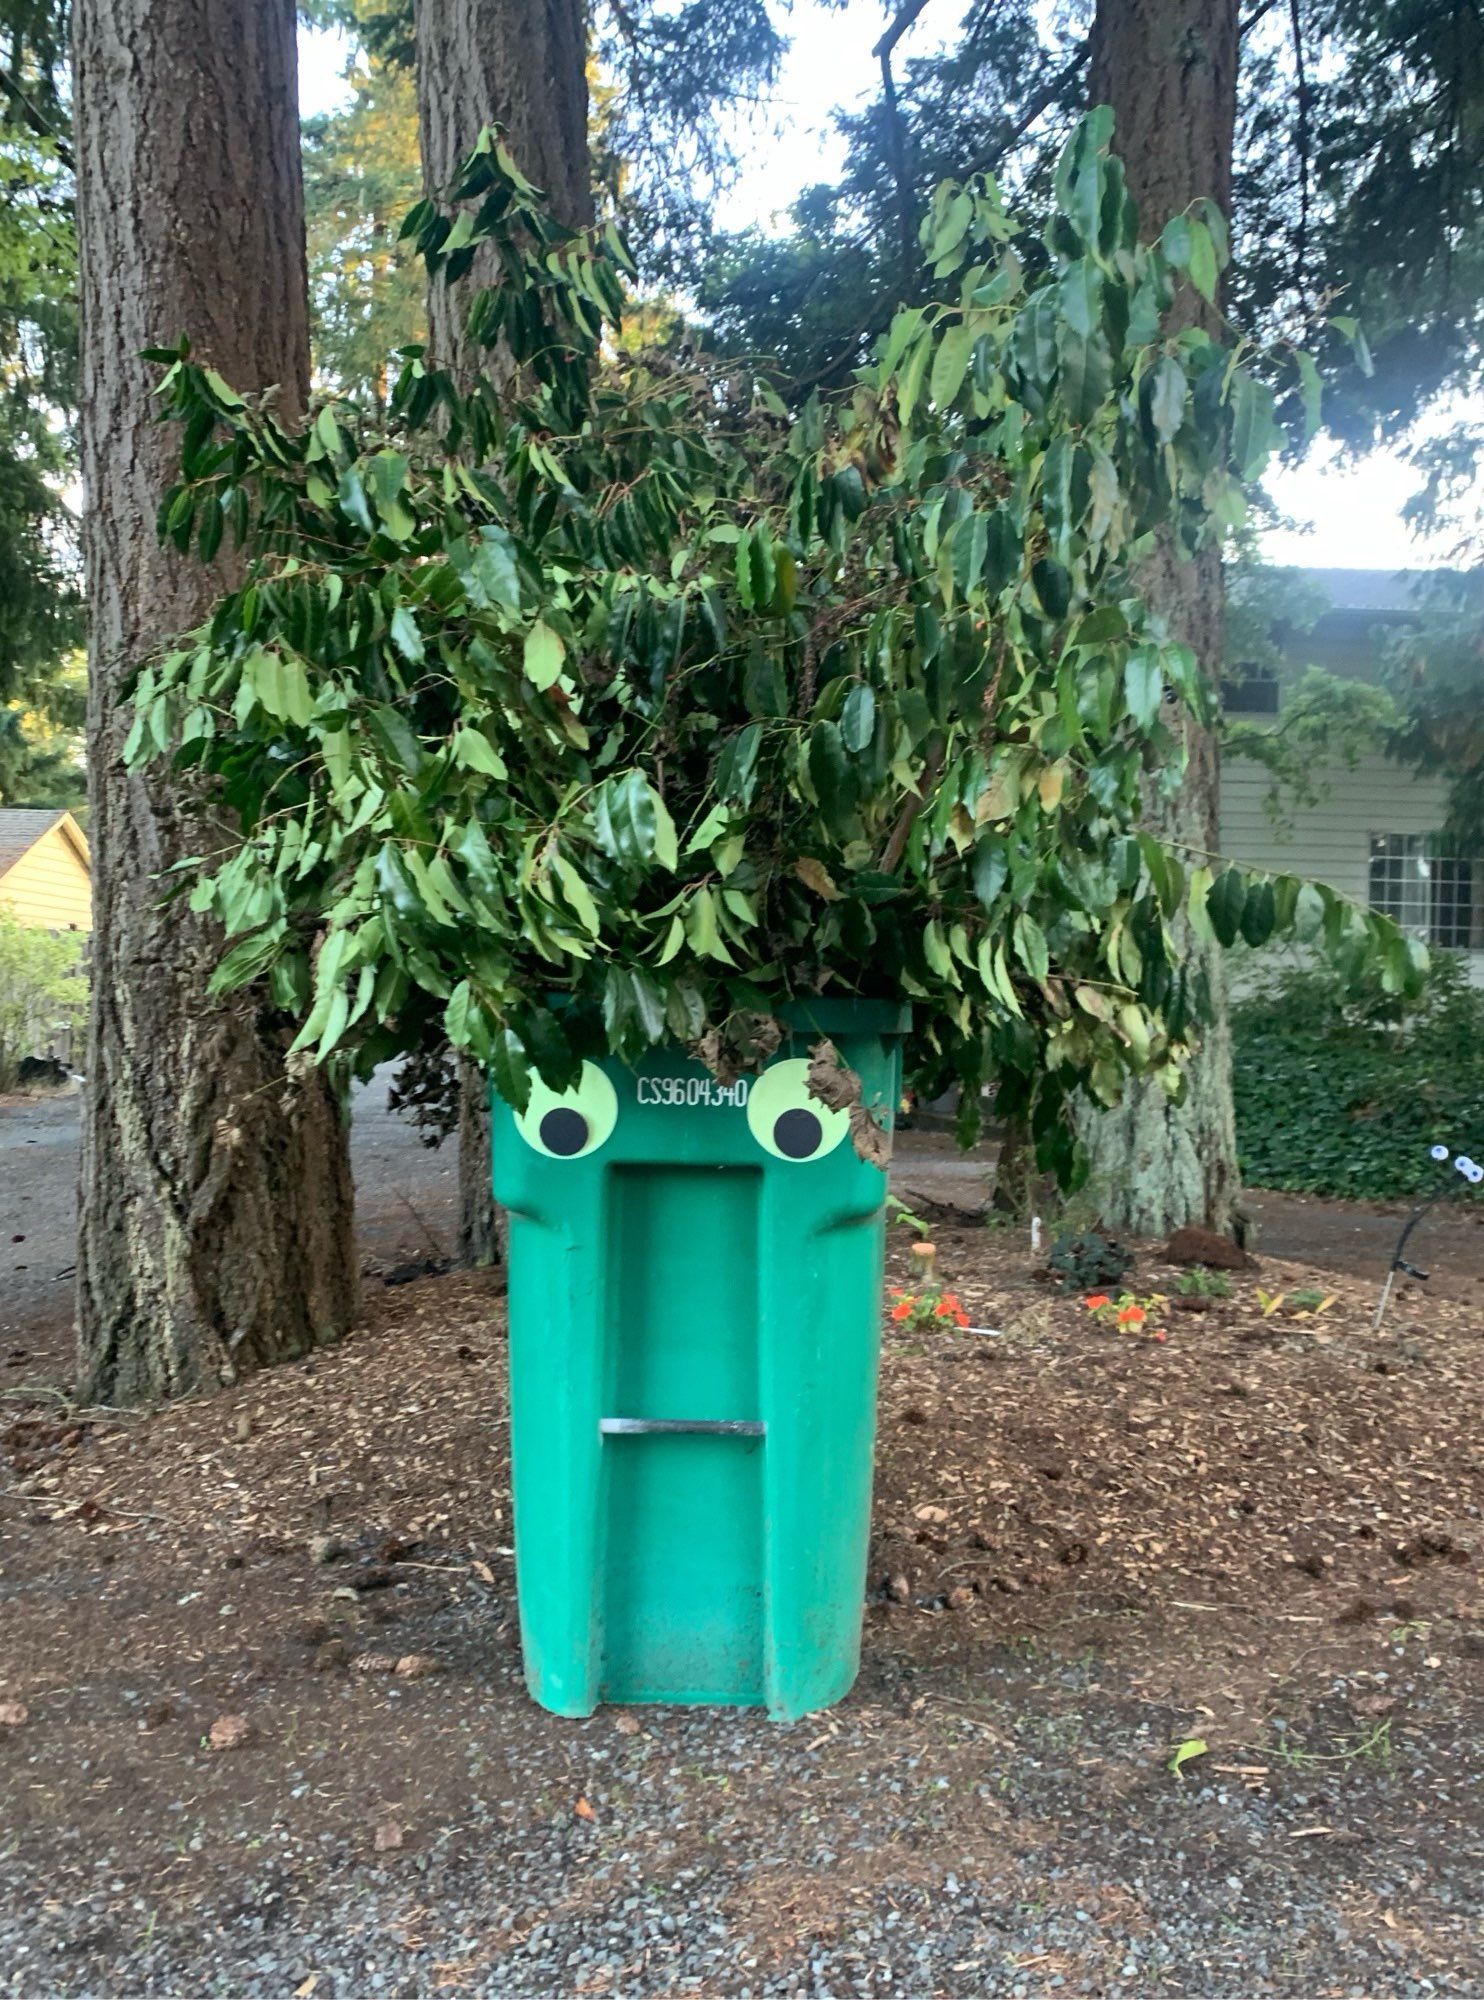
(1085, 1262)
(1340, 1090)
(41, 990)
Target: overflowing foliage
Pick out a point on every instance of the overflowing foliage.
(1341, 1088)
(642, 690)
(42, 991)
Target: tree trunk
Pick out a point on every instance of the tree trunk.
(519, 64)
(1169, 70)
(216, 1226)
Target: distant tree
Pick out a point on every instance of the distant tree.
(40, 583)
(361, 175)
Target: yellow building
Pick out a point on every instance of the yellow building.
(45, 872)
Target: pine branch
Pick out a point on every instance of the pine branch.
(36, 120)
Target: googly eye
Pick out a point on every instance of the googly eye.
(1464, 1165)
(1475, 1173)
(570, 1124)
(1439, 1152)
(786, 1121)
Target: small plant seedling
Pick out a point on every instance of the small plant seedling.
(897, 1211)
(1310, 1299)
(932, 1308)
(1128, 1313)
(1301, 1303)
(1199, 1283)
(1088, 1261)
(1186, 1752)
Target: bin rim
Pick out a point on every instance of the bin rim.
(847, 1016)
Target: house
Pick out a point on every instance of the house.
(1374, 832)
(45, 871)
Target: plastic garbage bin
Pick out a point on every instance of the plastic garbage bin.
(695, 1276)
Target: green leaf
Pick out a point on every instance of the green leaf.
(1225, 901)
(1259, 913)
(951, 363)
(1193, 1746)
(989, 871)
(624, 820)
(1254, 432)
(472, 749)
(396, 738)
(353, 500)
(1175, 241)
(1310, 389)
(970, 540)
(509, 1070)
(736, 768)
(578, 896)
(1202, 265)
(702, 930)
(388, 474)
(493, 565)
(1166, 394)
(247, 960)
(830, 774)
(543, 655)
(1080, 297)
(406, 637)
(666, 844)
(1143, 686)
(1031, 948)
(858, 717)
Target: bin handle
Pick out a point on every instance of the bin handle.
(673, 1426)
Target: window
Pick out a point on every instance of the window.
(1439, 897)
(1250, 691)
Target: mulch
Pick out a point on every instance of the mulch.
(282, 1618)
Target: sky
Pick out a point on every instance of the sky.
(1335, 515)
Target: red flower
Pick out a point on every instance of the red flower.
(1132, 1316)
(902, 1309)
(1098, 1299)
(962, 1319)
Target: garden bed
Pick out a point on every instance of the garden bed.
(1090, 1548)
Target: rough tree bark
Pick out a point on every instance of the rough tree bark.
(216, 1204)
(1169, 70)
(519, 64)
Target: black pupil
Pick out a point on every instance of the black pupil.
(564, 1132)
(797, 1134)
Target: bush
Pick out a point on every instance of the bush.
(1085, 1262)
(1340, 1091)
(41, 990)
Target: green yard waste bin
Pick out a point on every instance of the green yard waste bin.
(695, 1276)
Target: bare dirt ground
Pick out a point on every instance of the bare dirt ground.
(263, 1727)
(266, 1731)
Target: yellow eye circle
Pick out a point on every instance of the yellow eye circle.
(570, 1124)
(786, 1121)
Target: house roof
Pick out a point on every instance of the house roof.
(1370, 589)
(22, 826)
